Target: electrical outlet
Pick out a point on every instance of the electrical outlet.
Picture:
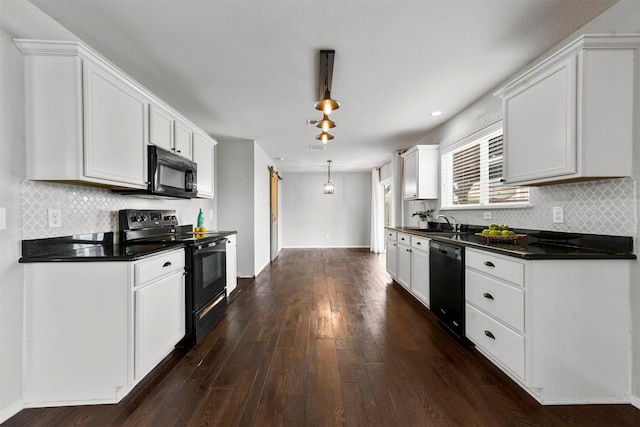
(488, 215)
(558, 215)
(55, 218)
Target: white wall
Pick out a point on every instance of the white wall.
(313, 219)
(262, 209)
(235, 198)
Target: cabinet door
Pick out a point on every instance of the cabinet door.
(392, 260)
(411, 176)
(420, 276)
(115, 113)
(159, 321)
(232, 275)
(160, 127)
(182, 140)
(540, 126)
(203, 156)
(404, 266)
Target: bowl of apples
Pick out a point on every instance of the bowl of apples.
(500, 233)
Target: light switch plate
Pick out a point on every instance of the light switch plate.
(558, 215)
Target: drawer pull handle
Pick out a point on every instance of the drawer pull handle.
(489, 264)
(443, 311)
(490, 335)
(487, 295)
(166, 264)
(418, 243)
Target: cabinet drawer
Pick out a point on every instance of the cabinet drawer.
(511, 271)
(505, 345)
(420, 243)
(404, 238)
(391, 235)
(498, 299)
(158, 266)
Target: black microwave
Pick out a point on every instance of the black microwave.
(169, 175)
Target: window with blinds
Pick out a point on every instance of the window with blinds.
(472, 173)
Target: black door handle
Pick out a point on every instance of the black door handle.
(166, 264)
(490, 335)
(489, 264)
(487, 295)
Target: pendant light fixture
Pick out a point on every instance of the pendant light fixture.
(324, 137)
(328, 186)
(326, 104)
(325, 124)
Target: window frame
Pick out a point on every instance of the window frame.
(481, 138)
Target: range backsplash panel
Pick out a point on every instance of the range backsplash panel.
(89, 209)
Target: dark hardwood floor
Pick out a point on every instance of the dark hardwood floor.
(324, 337)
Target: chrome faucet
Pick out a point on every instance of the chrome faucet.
(453, 226)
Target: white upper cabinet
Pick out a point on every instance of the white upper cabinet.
(203, 155)
(85, 122)
(168, 132)
(88, 122)
(421, 172)
(570, 118)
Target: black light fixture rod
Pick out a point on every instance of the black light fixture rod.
(326, 71)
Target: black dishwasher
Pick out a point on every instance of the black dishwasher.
(446, 277)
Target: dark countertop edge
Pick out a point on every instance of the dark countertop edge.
(515, 254)
(103, 258)
(69, 256)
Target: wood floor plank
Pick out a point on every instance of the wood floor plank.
(324, 337)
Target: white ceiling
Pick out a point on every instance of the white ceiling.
(248, 69)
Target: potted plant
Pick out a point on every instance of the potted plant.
(423, 222)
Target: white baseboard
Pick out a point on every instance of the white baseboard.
(9, 411)
(635, 401)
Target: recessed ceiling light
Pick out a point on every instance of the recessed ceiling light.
(312, 122)
(436, 113)
(317, 147)
(280, 158)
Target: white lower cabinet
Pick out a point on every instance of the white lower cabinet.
(232, 270)
(94, 329)
(420, 269)
(404, 260)
(559, 328)
(159, 295)
(408, 262)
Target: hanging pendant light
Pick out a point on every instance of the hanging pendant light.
(328, 186)
(326, 105)
(324, 137)
(325, 124)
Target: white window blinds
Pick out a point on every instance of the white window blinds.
(472, 173)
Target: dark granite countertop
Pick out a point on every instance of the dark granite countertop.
(93, 247)
(537, 244)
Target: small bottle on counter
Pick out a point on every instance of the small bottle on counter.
(200, 219)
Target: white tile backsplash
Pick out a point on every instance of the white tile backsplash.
(89, 209)
(596, 207)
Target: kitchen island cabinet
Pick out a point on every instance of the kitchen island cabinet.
(95, 329)
(571, 116)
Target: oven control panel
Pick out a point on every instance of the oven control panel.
(133, 219)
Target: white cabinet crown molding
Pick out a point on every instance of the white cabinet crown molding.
(584, 42)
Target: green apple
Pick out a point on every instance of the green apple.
(495, 233)
(485, 231)
(494, 227)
